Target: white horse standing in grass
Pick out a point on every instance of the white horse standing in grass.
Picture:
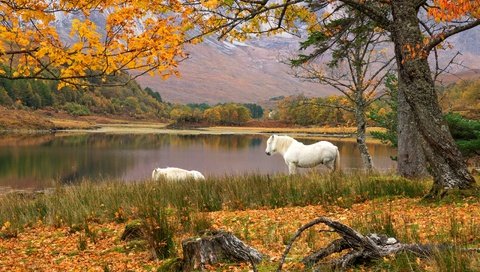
(296, 154)
(174, 173)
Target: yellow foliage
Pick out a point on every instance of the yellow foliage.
(31, 44)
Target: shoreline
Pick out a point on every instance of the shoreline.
(42, 121)
(323, 133)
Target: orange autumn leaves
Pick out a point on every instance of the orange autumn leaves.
(60, 39)
(448, 10)
(47, 248)
(138, 35)
(142, 36)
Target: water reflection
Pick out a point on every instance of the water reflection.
(34, 161)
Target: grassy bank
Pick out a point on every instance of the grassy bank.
(102, 200)
(79, 227)
(47, 120)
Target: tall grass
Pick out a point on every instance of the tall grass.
(112, 200)
(165, 206)
(457, 251)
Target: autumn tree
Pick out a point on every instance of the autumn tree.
(227, 114)
(306, 111)
(140, 36)
(462, 97)
(414, 36)
(256, 111)
(357, 66)
(212, 115)
(185, 114)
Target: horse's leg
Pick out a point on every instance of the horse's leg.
(292, 168)
(331, 165)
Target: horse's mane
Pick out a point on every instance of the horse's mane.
(283, 142)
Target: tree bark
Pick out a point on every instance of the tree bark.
(411, 161)
(216, 247)
(361, 130)
(446, 163)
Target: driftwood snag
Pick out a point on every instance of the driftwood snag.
(215, 247)
(361, 248)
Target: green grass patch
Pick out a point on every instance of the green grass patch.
(118, 201)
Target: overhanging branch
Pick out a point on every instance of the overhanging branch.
(443, 36)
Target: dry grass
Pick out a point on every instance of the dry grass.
(12, 120)
(48, 120)
(23, 120)
(71, 124)
(300, 130)
(79, 227)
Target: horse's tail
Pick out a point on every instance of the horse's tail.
(337, 161)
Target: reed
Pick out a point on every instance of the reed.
(110, 200)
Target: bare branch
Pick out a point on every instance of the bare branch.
(443, 36)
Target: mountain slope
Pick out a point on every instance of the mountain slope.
(221, 72)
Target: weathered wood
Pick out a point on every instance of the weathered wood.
(445, 160)
(216, 247)
(361, 248)
(338, 245)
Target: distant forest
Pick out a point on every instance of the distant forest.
(131, 100)
(119, 100)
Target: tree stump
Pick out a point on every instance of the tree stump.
(133, 231)
(215, 247)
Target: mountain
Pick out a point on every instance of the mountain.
(253, 72)
(218, 71)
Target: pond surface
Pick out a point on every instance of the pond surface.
(36, 161)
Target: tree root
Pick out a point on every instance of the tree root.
(361, 248)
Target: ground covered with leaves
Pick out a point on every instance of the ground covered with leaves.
(98, 247)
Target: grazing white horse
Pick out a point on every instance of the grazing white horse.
(174, 173)
(296, 154)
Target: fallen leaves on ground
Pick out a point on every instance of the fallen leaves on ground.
(48, 248)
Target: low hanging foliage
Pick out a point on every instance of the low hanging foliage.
(141, 36)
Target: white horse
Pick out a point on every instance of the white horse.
(174, 173)
(296, 154)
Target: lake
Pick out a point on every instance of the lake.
(35, 161)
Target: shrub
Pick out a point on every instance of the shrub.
(76, 109)
(466, 132)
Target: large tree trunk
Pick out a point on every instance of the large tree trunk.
(411, 161)
(443, 156)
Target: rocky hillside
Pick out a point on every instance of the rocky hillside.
(253, 72)
(223, 72)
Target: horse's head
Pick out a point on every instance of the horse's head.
(271, 145)
(154, 173)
